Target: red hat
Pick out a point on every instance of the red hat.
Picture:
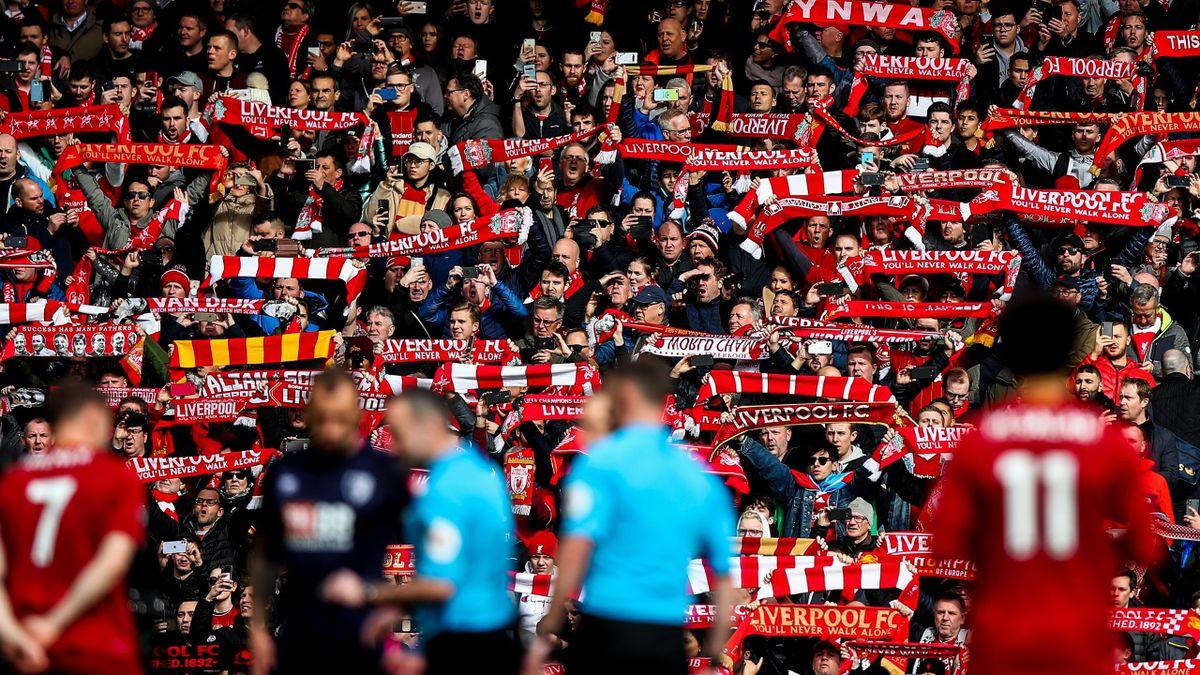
(398, 261)
(177, 275)
(543, 542)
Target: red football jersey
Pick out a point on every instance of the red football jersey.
(1027, 497)
(55, 509)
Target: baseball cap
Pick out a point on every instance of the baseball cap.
(422, 150)
(1070, 239)
(652, 294)
(187, 78)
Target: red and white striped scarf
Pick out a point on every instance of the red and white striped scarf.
(44, 310)
(309, 220)
(719, 382)
(752, 571)
(460, 377)
(796, 185)
(227, 267)
(785, 582)
(290, 41)
(1183, 622)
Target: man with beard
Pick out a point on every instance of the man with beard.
(1086, 384)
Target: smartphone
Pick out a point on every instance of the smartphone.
(313, 52)
(701, 360)
(666, 94)
(176, 546)
(388, 93)
(627, 58)
(594, 36)
(1193, 505)
(866, 158)
(497, 397)
(921, 164)
(871, 179)
(480, 69)
(470, 272)
(645, 221)
(261, 245)
(205, 316)
(641, 231)
(838, 514)
(294, 444)
(529, 70)
(227, 576)
(832, 288)
(528, 45)
(988, 41)
(36, 91)
(416, 7)
(304, 165)
(1106, 329)
(383, 206)
(11, 67)
(1173, 181)
(923, 373)
(16, 241)
(183, 389)
(546, 164)
(819, 347)
(416, 262)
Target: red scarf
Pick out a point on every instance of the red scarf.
(836, 13)
(481, 152)
(47, 63)
(1180, 622)
(226, 267)
(204, 304)
(478, 351)
(858, 269)
(717, 346)
(908, 68)
(752, 418)
(718, 382)
(506, 224)
(1176, 44)
(906, 310)
(815, 329)
(795, 185)
(79, 119)
(1008, 118)
(1130, 125)
(166, 502)
(151, 469)
(1130, 209)
(309, 220)
(140, 35)
(461, 377)
(184, 156)
(290, 39)
(1073, 67)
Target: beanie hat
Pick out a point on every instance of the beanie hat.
(707, 233)
(543, 542)
(860, 507)
(177, 275)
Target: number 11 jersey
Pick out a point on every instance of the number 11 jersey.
(1029, 497)
(55, 509)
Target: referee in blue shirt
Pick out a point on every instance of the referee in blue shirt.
(461, 528)
(638, 508)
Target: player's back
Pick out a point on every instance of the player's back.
(1027, 497)
(55, 510)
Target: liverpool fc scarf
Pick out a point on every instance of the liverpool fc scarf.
(1154, 620)
(460, 377)
(507, 224)
(309, 220)
(908, 68)
(921, 181)
(1176, 667)
(44, 310)
(1008, 118)
(1090, 68)
(477, 351)
(855, 271)
(815, 329)
(824, 622)
(346, 269)
(151, 469)
(168, 154)
(719, 382)
(786, 582)
(477, 153)
(58, 121)
(846, 12)
(924, 449)
(917, 549)
(263, 120)
(253, 351)
(1130, 209)
(750, 418)
(755, 160)
(1130, 125)
(916, 210)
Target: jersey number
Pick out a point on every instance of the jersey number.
(53, 494)
(1055, 476)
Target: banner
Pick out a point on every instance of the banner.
(1111, 207)
(1089, 68)
(92, 341)
(908, 68)
(1176, 667)
(114, 395)
(284, 348)
(476, 153)
(920, 181)
(399, 560)
(150, 469)
(825, 622)
(351, 272)
(59, 121)
(440, 350)
(1176, 44)
(507, 224)
(924, 449)
(716, 346)
(755, 417)
(906, 310)
(204, 410)
(858, 269)
(1009, 118)
(204, 304)
(264, 120)
(799, 327)
(1129, 125)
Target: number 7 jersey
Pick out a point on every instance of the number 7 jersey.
(55, 509)
(1029, 497)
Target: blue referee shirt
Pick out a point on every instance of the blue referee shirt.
(649, 508)
(461, 526)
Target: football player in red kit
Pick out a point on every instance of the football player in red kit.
(70, 522)
(1027, 497)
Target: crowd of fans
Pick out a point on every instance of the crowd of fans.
(618, 248)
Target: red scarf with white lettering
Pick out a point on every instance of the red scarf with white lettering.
(908, 68)
(1072, 67)
(924, 449)
(1126, 208)
(719, 382)
(442, 350)
(1175, 44)
(795, 185)
(477, 153)
(506, 224)
(166, 502)
(916, 210)
(1180, 622)
(833, 13)
(518, 474)
(151, 469)
(906, 310)
(1131, 125)
(1175, 667)
(138, 36)
(799, 327)
(290, 39)
(188, 156)
(717, 346)
(1009, 118)
(857, 270)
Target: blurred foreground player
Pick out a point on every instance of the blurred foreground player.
(71, 520)
(1027, 497)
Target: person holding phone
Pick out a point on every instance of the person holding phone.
(536, 113)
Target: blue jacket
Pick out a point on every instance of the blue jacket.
(798, 501)
(506, 309)
(244, 287)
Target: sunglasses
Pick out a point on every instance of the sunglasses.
(240, 475)
(819, 461)
(293, 5)
(1068, 250)
(137, 195)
